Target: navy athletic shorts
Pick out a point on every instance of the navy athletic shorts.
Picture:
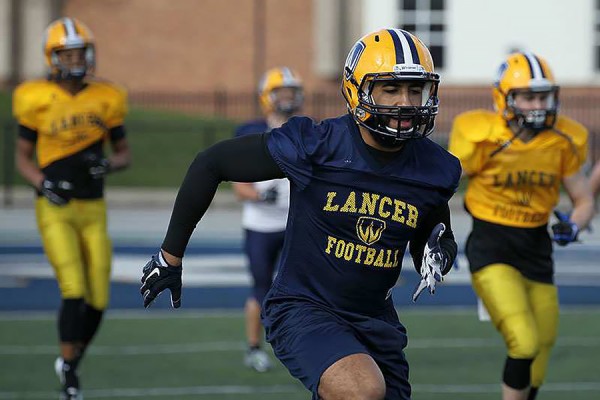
(262, 250)
(308, 338)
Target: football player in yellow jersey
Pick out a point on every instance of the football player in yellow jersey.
(516, 160)
(64, 122)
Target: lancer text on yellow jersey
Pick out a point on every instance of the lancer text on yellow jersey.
(519, 186)
(66, 123)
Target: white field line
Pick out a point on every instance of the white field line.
(229, 346)
(182, 313)
(275, 389)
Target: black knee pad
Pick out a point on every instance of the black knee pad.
(517, 372)
(70, 320)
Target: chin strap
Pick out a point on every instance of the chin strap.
(507, 143)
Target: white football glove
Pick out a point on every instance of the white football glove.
(433, 263)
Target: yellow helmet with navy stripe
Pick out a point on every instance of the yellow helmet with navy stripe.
(276, 78)
(384, 55)
(64, 34)
(525, 72)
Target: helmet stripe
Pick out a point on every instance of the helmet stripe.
(413, 47)
(537, 72)
(541, 66)
(398, 46)
(288, 77)
(72, 38)
(406, 51)
(70, 29)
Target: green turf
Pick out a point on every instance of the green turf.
(201, 358)
(163, 144)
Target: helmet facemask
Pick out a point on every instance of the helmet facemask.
(525, 93)
(280, 91)
(60, 71)
(376, 117)
(535, 120)
(286, 104)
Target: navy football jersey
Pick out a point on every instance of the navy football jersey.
(351, 217)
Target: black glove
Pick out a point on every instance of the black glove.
(564, 231)
(97, 167)
(158, 276)
(57, 192)
(270, 195)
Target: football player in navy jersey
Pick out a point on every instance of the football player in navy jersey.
(364, 187)
(266, 205)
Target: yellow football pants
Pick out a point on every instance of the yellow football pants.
(524, 312)
(76, 242)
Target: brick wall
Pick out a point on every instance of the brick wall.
(190, 45)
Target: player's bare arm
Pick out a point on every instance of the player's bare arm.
(25, 163)
(578, 188)
(121, 155)
(245, 191)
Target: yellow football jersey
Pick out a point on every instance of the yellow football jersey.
(518, 186)
(66, 123)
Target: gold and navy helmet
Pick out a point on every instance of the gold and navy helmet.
(273, 79)
(526, 72)
(384, 55)
(68, 33)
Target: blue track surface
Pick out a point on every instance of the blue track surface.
(42, 294)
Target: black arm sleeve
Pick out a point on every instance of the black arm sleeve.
(27, 133)
(242, 159)
(447, 243)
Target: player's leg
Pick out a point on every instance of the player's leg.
(253, 325)
(386, 338)
(260, 264)
(321, 350)
(61, 245)
(544, 301)
(503, 290)
(356, 376)
(97, 253)
(262, 250)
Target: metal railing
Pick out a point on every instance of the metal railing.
(238, 106)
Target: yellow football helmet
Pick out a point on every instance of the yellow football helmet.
(276, 78)
(68, 33)
(525, 72)
(385, 55)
